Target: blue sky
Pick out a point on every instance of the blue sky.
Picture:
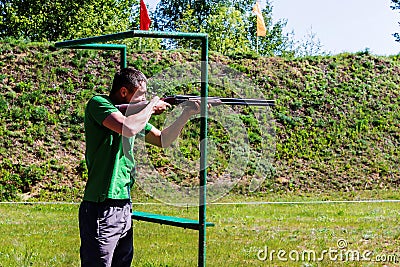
(340, 25)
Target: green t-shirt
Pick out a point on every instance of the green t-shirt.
(109, 156)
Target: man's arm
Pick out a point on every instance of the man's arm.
(131, 125)
(168, 135)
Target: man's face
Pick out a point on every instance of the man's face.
(139, 95)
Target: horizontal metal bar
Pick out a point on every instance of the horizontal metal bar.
(168, 220)
(130, 34)
(175, 35)
(95, 39)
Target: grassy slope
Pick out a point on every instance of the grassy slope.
(338, 120)
(337, 117)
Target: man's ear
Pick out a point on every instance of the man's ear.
(123, 91)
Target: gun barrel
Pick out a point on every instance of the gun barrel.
(178, 99)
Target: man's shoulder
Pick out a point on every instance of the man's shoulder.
(100, 101)
(98, 108)
(100, 98)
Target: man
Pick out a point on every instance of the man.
(105, 213)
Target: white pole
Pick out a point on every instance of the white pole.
(257, 43)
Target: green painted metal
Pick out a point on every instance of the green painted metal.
(95, 39)
(174, 35)
(168, 220)
(203, 153)
(130, 34)
(92, 43)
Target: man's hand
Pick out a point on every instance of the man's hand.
(159, 106)
(193, 106)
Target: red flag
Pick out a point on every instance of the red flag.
(144, 17)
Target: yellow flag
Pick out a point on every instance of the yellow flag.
(261, 30)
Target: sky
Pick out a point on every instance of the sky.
(339, 25)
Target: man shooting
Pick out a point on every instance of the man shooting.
(105, 221)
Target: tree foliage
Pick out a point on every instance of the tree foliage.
(225, 28)
(396, 6)
(276, 42)
(169, 13)
(43, 20)
(230, 24)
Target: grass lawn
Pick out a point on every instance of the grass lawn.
(334, 234)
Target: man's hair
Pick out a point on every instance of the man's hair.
(129, 78)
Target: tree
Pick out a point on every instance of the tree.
(276, 42)
(396, 6)
(229, 23)
(310, 45)
(43, 20)
(225, 26)
(168, 13)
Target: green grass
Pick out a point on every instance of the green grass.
(38, 235)
(47, 235)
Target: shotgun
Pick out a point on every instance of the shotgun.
(212, 100)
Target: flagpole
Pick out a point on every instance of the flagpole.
(257, 43)
(261, 29)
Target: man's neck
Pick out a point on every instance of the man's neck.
(115, 100)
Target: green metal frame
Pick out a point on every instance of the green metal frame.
(168, 220)
(93, 43)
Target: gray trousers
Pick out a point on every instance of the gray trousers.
(106, 233)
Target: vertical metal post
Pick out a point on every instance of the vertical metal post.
(203, 153)
(123, 58)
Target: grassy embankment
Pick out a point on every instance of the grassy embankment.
(337, 119)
